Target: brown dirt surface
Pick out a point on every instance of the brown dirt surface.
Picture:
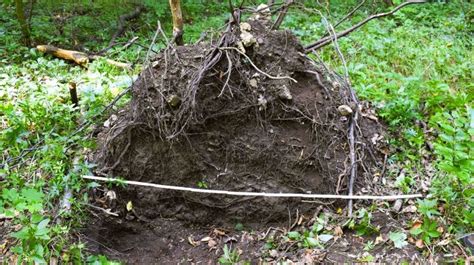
(233, 115)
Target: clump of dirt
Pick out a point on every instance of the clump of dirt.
(248, 112)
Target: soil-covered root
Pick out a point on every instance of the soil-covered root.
(248, 112)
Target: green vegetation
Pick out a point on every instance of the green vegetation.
(415, 67)
(313, 238)
(229, 257)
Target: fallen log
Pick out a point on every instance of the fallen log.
(80, 58)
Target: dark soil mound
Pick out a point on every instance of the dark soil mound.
(248, 112)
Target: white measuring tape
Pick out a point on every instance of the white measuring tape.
(258, 194)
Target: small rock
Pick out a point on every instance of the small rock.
(241, 47)
(107, 124)
(262, 102)
(264, 9)
(253, 83)
(174, 101)
(245, 26)
(285, 93)
(397, 206)
(247, 39)
(344, 110)
(274, 253)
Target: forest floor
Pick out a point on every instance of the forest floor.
(249, 132)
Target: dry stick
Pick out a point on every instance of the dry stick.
(353, 121)
(121, 25)
(256, 68)
(326, 40)
(158, 30)
(257, 194)
(353, 161)
(349, 14)
(282, 14)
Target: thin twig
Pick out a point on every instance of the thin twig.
(282, 14)
(158, 30)
(349, 14)
(352, 135)
(107, 211)
(257, 194)
(326, 40)
(256, 68)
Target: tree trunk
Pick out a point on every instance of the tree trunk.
(25, 30)
(177, 21)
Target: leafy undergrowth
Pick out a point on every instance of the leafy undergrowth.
(415, 67)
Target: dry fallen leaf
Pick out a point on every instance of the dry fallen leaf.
(218, 232)
(192, 242)
(274, 253)
(3, 247)
(409, 209)
(211, 243)
(380, 239)
(416, 224)
(444, 242)
(419, 243)
(53, 261)
(205, 239)
(338, 231)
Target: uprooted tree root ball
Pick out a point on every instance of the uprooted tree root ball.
(247, 112)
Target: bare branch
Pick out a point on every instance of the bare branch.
(326, 40)
(121, 24)
(349, 14)
(282, 14)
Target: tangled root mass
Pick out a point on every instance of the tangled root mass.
(248, 112)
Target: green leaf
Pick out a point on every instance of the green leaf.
(312, 242)
(416, 231)
(32, 195)
(398, 239)
(428, 207)
(325, 238)
(43, 224)
(294, 235)
(22, 234)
